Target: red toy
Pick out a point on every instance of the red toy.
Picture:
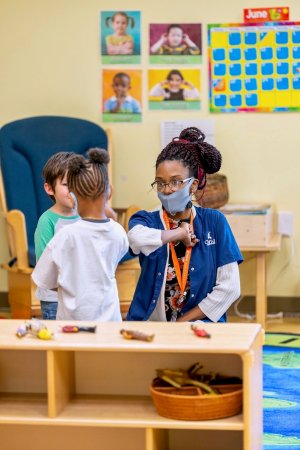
(200, 332)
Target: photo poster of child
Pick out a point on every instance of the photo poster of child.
(122, 95)
(120, 37)
(175, 43)
(172, 89)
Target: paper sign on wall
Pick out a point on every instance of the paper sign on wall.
(254, 15)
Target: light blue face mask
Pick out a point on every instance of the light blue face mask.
(178, 200)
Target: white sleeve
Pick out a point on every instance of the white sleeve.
(224, 293)
(144, 240)
(157, 91)
(45, 274)
(191, 93)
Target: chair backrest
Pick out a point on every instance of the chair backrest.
(25, 146)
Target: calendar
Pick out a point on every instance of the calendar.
(254, 67)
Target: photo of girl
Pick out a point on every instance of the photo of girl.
(174, 89)
(120, 37)
(175, 43)
(122, 92)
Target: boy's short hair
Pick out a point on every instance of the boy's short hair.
(121, 75)
(56, 168)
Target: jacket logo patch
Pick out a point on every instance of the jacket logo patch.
(209, 240)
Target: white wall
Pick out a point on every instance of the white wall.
(50, 64)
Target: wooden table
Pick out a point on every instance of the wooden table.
(261, 253)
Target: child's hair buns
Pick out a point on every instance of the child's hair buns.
(98, 156)
(76, 164)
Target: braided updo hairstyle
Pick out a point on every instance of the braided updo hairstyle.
(193, 152)
(89, 177)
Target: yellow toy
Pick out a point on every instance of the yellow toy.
(34, 328)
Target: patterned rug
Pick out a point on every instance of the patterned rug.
(281, 382)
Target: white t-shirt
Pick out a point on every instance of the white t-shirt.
(81, 261)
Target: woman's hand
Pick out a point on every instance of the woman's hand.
(188, 238)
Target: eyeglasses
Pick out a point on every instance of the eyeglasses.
(173, 184)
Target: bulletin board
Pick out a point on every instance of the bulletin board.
(254, 67)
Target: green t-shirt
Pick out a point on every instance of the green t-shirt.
(49, 223)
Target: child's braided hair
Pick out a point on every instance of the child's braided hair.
(89, 177)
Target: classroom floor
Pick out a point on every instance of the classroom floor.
(283, 325)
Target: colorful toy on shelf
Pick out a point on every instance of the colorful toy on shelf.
(130, 334)
(34, 328)
(200, 332)
(76, 329)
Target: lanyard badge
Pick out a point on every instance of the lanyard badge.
(181, 276)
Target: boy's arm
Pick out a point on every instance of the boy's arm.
(43, 234)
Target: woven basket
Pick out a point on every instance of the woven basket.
(216, 192)
(188, 403)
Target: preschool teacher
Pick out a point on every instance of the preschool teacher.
(188, 255)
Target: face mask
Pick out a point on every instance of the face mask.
(178, 200)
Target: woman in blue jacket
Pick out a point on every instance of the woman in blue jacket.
(188, 255)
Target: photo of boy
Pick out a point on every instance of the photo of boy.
(120, 37)
(174, 89)
(121, 106)
(175, 43)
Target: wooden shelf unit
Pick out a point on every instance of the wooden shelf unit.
(91, 391)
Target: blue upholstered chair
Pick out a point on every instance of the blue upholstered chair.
(25, 146)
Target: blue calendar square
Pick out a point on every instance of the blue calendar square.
(219, 69)
(266, 53)
(251, 69)
(235, 85)
(250, 38)
(296, 83)
(267, 69)
(282, 83)
(282, 52)
(235, 38)
(251, 100)
(250, 54)
(267, 84)
(296, 37)
(296, 52)
(250, 84)
(296, 68)
(220, 100)
(282, 68)
(219, 54)
(282, 37)
(236, 100)
(235, 70)
(234, 54)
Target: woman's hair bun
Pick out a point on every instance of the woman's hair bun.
(210, 158)
(76, 164)
(98, 156)
(192, 134)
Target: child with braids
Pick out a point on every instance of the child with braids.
(119, 43)
(81, 259)
(188, 255)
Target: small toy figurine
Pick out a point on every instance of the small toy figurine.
(200, 332)
(76, 329)
(34, 328)
(129, 334)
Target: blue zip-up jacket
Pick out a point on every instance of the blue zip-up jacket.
(216, 247)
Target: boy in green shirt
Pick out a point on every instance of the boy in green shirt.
(60, 214)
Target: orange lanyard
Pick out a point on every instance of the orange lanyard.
(181, 277)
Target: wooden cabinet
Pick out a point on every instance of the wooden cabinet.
(91, 391)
